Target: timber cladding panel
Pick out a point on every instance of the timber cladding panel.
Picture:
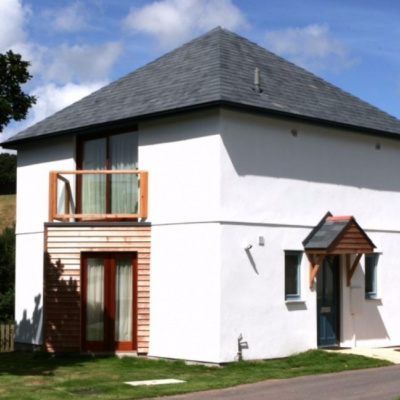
(62, 278)
(353, 240)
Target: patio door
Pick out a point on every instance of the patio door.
(109, 301)
(328, 302)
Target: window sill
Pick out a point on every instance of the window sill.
(294, 301)
(368, 298)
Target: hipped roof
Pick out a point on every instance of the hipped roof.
(215, 68)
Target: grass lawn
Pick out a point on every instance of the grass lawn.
(41, 376)
(7, 210)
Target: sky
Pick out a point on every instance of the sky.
(77, 46)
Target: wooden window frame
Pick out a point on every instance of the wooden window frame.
(79, 151)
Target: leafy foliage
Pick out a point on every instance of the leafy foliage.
(7, 274)
(14, 103)
(8, 173)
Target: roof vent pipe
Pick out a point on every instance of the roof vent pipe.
(257, 87)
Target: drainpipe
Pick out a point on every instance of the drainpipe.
(239, 356)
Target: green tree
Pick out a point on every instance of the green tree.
(7, 274)
(14, 103)
(8, 173)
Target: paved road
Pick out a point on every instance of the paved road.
(368, 384)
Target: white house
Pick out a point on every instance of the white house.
(219, 202)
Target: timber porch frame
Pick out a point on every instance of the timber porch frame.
(340, 235)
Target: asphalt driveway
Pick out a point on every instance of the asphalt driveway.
(367, 384)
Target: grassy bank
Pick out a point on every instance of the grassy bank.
(40, 376)
(7, 210)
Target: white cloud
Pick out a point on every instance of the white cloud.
(312, 47)
(173, 21)
(12, 18)
(82, 63)
(69, 19)
(50, 99)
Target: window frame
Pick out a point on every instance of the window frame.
(374, 257)
(107, 134)
(108, 343)
(293, 296)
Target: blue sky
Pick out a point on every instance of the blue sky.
(78, 46)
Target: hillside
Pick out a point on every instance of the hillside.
(7, 210)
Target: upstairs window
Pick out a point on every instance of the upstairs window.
(371, 276)
(292, 275)
(109, 193)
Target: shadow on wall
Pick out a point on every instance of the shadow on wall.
(370, 324)
(60, 323)
(321, 155)
(28, 330)
(61, 327)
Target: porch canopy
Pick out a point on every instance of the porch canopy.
(336, 235)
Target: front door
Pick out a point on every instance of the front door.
(109, 301)
(328, 302)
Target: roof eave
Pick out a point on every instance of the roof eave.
(14, 144)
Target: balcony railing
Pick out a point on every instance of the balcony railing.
(97, 195)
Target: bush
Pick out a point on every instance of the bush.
(8, 172)
(7, 274)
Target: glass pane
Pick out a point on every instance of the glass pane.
(124, 188)
(61, 188)
(329, 282)
(123, 299)
(94, 186)
(95, 299)
(291, 275)
(370, 274)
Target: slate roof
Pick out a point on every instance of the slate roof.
(327, 231)
(215, 68)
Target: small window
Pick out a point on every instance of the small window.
(371, 275)
(292, 274)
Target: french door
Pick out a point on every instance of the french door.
(109, 301)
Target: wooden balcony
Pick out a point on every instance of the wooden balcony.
(98, 195)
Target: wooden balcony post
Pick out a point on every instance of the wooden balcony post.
(52, 195)
(143, 194)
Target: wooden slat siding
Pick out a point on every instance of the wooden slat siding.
(62, 285)
(353, 241)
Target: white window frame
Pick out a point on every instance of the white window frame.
(371, 262)
(294, 296)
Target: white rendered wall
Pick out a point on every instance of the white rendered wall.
(185, 292)
(182, 157)
(34, 164)
(253, 294)
(376, 325)
(275, 181)
(271, 176)
(35, 161)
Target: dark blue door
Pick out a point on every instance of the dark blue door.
(328, 302)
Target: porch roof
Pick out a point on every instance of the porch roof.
(338, 235)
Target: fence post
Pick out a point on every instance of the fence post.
(6, 338)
